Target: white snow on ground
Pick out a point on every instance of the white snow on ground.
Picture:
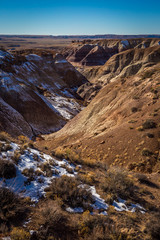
(4, 55)
(35, 160)
(121, 206)
(67, 94)
(33, 57)
(67, 108)
(61, 61)
(6, 238)
(75, 210)
(99, 202)
(125, 43)
(65, 105)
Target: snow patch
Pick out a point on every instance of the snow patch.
(35, 188)
(33, 57)
(125, 43)
(66, 107)
(99, 202)
(74, 210)
(61, 61)
(32, 158)
(121, 206)
(4, 54)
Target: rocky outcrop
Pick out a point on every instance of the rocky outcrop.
(88, 55)
(128, 63)
(97, 56)
(123, 64)
(97, 52)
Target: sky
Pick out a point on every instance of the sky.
(79, 17)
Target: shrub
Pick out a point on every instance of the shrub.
(12, 208)
(88, 178)
(140, 128)
(98, 227)
(7, 169)
(19, 234)
(53, 223)
(149, 124)
(67, 153)
(59, 152)
(146, 152)
(16, 157)
(150, 135)
(153, 226)
(23, 139)
(47, 169)
(144, 180)
(69, 170)
(29, 173)
(134, 109)
(118, 184)
(6, 147)
(68, 189)
(5, 137)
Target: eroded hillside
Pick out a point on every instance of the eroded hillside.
(121, 124)
(37, 93)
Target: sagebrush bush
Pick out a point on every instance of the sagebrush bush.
(98, 227)
(59, 152)
(53, 223)
(47, 169)
(29, 173)
(20, 234)
(23, 139)
(16, 157)
(7, 169)
(153, 226)
(13, 209)
(70, 191)
(148, 124)
(118, 184)
(146, 152)
(6, 147)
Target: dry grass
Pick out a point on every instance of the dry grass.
(4, 136)
(20, 234)
(153, 226)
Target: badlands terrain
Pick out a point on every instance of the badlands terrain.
(80, 138)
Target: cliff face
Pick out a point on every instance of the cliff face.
(36, 93)
(123, 64)
(97, 52)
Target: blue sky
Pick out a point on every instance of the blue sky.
(51, 17)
